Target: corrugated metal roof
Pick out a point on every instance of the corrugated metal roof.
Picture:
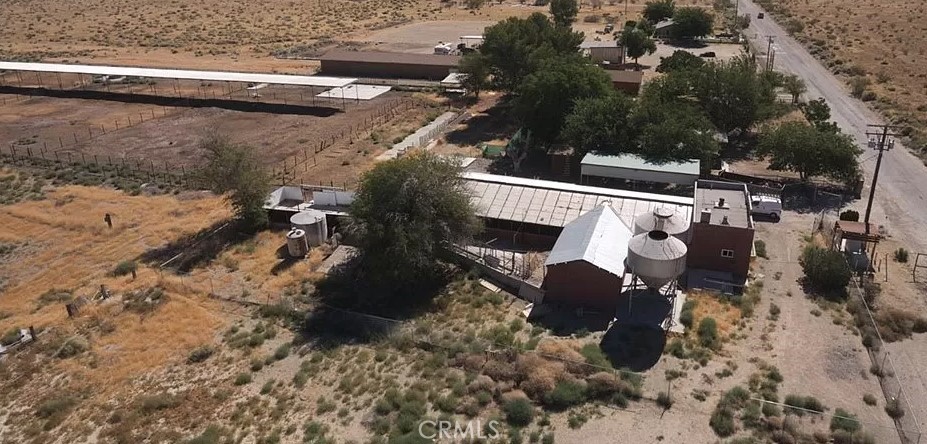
(545, 202)
(635, 162)
(181, 74)
(625, 76)
(598, 237)
(341, 55)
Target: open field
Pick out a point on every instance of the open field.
(880, 44)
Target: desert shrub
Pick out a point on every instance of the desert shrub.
(592, 18)
(844, 420)
(200, 354)
(850, 215)
(664, 400)
(124, 268)
(894, 409)
(901, 255)
(708, 333)
(825, 270)
(869, 399)
(595, 356)
(73, 347)
(771, 410)
(160, 401)
(11, 336)
(566, 394)
(802, 402)
(243, 378)
(676, 348)
(722, 422)
(447, 403)
(895, 324)
(858, 86)
(603, 385)
(774, 311)
(282, 351)
(518, 412)
(760, 247)
(686, 316)
(145, 301)
(55, 410)
(54, 296)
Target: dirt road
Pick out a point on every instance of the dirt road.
(901, 194)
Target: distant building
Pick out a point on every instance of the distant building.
(722, 230)
(604, 52)
(587, 264)
(627, 81)
(664, 29)
(378, 64)
(635, 168)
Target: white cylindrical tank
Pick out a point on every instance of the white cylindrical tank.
(656, 257)
(314, 223)
(296, 243)
(663, 219)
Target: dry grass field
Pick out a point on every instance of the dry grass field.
(879, 44)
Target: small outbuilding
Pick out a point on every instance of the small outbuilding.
(390, 65)
(587, 264)
(604, 52)
(637, 169)
(664, 29)
(627, 81)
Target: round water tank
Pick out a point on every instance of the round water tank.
(296, 243)
(663, 219)
(656, 257)
(315, 225)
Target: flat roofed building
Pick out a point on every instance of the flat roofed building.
(627, 81)
(380, 64)
(635, 168)
(722, 234)
(605, 51)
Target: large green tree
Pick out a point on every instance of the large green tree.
(517, 47)
(405, 210)
(476, 69)
(546, 97)
(636, 42)
(680, 60)
(817, 113)
(658, 10)
(674, 130)
(732, 93)
(691, 22)
(601, 124)
(809, 151)
(795, 86)
(237, 172)
(564, 12)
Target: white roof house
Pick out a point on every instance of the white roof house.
(598, 237)
(636, 168)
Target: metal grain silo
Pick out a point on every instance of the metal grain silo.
(296, 243)
(656, 258)
(663, 219)
(314, 223)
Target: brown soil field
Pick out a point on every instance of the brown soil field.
(882, 41)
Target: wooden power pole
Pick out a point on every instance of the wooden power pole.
(879, 139)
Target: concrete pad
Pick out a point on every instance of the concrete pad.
(355, 92)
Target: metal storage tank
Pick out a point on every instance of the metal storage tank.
(296, 243)
(663, 219)
(313, 222)
(656, 258)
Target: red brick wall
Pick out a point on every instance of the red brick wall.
(708, 241)
(581, 284)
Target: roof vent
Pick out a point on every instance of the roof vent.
(724, 221)
(721, 203)
(705, 216)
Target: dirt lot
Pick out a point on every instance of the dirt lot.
(883, 41)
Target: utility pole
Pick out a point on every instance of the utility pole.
(769, 42)
(878, 140)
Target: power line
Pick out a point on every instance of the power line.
(880, 141)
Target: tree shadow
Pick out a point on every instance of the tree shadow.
(686, 43)
(808, 198)
(351, 309)
(197, 249)
(635, 347)
(562, 321)
(493, 125)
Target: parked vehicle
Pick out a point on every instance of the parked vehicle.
(760, 15)
(707, 54)
(769, 206)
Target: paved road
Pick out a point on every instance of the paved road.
(901, 194)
